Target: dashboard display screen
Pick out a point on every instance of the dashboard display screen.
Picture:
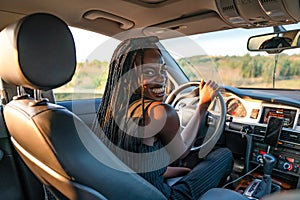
(288, 115)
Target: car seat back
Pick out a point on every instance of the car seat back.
(38, 52)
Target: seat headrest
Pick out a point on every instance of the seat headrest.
(37, 52)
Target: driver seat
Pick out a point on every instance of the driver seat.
(38, 52)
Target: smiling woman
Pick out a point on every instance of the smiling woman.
(144, 131)
(156, 113)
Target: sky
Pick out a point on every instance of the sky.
(91, 45)
(86, 42)
(234, 42)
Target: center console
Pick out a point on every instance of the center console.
(279, 141)
(287, 151)
(288, 159)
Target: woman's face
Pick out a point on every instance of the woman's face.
(154, 74)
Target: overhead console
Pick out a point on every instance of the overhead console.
(258, 13)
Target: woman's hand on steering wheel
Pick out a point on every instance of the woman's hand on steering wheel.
(207, 91)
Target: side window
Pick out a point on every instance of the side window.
(88, 82)
(91, 72)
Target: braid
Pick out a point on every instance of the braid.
(120, 93)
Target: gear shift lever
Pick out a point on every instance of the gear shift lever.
(268, 164)
(265, 185)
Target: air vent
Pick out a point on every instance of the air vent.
(230, 12)
(254, 113)
(259, 130)
(289, 136)
(266, 2)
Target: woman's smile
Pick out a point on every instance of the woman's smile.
(158, 91)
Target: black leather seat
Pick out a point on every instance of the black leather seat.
(38, 52)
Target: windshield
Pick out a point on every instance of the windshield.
(220, 56)
(223, 56)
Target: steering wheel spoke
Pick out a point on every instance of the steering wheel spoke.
(212, 119)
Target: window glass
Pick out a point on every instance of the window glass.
(91, 72)
(222, 56)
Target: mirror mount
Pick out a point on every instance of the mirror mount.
(278, 29)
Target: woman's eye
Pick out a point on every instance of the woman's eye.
(149, 73)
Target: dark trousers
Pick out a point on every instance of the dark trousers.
(204, 176)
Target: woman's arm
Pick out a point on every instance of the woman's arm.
(176, 172)
(162, 121)
(207, 93)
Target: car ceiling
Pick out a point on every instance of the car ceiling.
(111, 17)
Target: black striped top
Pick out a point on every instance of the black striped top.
(155, 177)
(153, 162)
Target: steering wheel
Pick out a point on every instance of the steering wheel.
(185, 99)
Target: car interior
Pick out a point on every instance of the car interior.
(47, 147)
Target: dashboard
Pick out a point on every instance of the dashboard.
(250, 111)
(258, 109)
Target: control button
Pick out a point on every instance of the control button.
(259, 158)
(287, 166)
(281, 162)
(289, 145)
(262, 152)
(290, 159)
(295, 169)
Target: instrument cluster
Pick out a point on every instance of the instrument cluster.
(235, 108)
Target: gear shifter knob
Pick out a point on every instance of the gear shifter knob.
(269, 162)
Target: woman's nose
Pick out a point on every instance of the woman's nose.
(161, 77)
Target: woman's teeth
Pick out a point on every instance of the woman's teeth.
(158, 90)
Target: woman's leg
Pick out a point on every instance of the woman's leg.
(204, 176)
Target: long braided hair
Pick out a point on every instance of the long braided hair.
(112, 116)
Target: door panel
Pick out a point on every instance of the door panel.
(85, 109)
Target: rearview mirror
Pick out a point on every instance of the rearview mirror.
(274, 42)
